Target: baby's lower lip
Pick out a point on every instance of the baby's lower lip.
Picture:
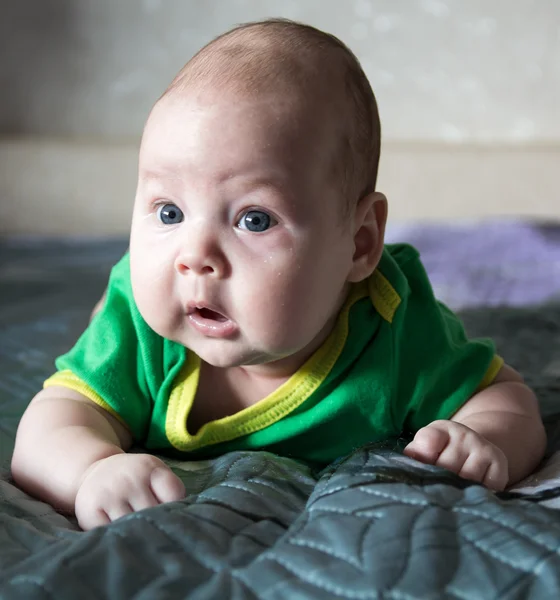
(212, 327)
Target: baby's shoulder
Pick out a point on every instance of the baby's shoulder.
(402, 253)
(399, 267)
(402, 278)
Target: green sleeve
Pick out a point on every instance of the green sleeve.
(436, 367)
(117, 362)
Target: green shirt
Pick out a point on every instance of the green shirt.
(396, 360)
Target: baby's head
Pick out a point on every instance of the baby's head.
(312, 73)
(256, 202)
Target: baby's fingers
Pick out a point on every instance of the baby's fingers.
(427, 445)
(497, 475)
(475, 467)
(166, 486)
(117, 509)
(143, 497)
(89, 517)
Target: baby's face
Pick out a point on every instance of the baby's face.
(238, 249)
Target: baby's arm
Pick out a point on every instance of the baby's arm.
(497, 437)
(72, 454)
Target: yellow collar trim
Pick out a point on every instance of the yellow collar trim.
(383, 295)
(289, 396)
(267, 411)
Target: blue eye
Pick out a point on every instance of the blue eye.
(169, 214)
(255, 220)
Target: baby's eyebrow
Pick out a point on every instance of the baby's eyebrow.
(158, 176)
(172, 181)
(267, 183)
(275, 183)
(272, 182)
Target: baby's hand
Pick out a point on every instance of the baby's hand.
(124, 483)
(462, 450)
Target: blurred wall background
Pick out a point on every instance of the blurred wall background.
(469, 96)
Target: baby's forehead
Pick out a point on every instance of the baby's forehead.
(252, 64)
(272, 93)
(279, 122)
(216, 136)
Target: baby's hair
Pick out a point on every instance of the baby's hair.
(280, 54)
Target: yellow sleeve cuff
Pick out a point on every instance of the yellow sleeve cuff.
(68, 380)
(495, 365)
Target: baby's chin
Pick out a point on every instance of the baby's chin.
(226, 360)
(226, 354)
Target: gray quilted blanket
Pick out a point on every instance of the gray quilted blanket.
(253, 525)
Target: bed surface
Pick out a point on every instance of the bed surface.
(372, 525)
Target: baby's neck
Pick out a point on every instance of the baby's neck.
(246, 384)
(224, 392)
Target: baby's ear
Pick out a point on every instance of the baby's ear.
(370, 218)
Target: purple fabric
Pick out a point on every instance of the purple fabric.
(505, 263)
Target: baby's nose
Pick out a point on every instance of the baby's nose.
(201, 255)
(185, 264)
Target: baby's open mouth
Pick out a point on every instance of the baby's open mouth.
(210, 322)
(207, 313)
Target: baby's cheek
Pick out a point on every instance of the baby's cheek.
(286, 322)
(262, 310)
(144, 297)
(154, 299)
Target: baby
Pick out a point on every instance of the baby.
(258, 307)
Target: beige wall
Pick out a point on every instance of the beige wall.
(469, 95)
